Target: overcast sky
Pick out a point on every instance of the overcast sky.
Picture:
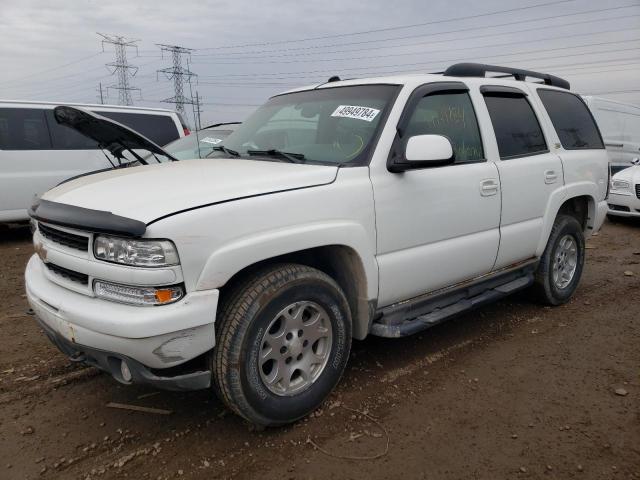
(246, 51)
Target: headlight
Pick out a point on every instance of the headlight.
(139, 253)
(133, 295)
(620, 185)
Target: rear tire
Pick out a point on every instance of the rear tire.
(283, 341)
(562, 262)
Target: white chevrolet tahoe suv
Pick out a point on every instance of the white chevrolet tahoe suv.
(377, 206)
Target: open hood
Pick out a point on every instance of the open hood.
(109, 134)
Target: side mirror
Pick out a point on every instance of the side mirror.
(423, 151)
(635, 161)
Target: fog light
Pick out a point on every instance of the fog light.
(142, 296)
(125, 372)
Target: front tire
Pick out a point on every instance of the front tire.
(283, 341)
(562, 262)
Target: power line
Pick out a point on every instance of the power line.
(387, 29)
(393, 55)
(121, 67)
(443, 62)
(613, 92)
(64, 65)
(472, 37)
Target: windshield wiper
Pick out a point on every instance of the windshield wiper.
(289, 156)
(226, 150)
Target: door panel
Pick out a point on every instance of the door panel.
(434, 228)
(529, 173)
(527, 184)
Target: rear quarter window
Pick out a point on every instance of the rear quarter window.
(160, 129)
(572, 120)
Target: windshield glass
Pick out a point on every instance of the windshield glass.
(328, 125)
(197, 145)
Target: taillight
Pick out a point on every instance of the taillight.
(186, 131)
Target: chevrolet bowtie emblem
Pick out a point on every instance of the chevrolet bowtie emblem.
(41, 250)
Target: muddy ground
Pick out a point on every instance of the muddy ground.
(513, 390)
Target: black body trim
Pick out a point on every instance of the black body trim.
(67, 239)
(97, 221)
(501, 89)
(480, 70)
(420, 313)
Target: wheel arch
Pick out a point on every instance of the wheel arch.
(579, 201)
(340, 262)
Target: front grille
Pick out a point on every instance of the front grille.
(67, 239)
(76, 277)
(638, 190)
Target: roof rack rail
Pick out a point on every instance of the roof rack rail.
(480, 70)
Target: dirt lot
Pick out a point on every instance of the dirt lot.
(510, 391)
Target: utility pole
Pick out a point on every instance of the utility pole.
(121, 68)
(198, 111)
(178, 74)
(101, 96)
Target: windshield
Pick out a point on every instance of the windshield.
(328, 125)
(198, 144)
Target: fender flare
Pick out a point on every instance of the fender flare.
(240, 253)
(558, 198)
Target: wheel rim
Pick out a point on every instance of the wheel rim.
(295, 348)
(565, 262)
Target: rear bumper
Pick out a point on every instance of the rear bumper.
(155, 337)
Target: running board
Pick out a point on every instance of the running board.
(410, 317)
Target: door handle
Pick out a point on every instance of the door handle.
(489, 187)
(550, 176)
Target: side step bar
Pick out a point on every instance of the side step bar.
(395, 322)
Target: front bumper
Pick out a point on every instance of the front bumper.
(110, 362)
(153, 337)
(624, 205)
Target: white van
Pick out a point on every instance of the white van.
(36, 153)
(620, 126)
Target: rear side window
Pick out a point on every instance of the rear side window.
(66, 138)
(571, 119)
(516, 126)
(23, 129)
(451, 115)
(160, 129)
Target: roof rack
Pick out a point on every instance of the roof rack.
(480, 70)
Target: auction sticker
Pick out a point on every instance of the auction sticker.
(353, 111)
(211, 140)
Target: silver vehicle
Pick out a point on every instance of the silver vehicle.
(37, 153)
(202, 142)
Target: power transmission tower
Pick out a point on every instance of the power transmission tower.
(121, 67)
(178, 74)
